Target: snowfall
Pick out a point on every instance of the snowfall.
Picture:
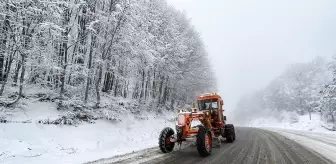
(53, 144)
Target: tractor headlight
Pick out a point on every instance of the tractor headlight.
(181, 120)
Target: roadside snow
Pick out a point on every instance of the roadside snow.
(292, 122)
(308, 133)
(36, 143)
(319, 142)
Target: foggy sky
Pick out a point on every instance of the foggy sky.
(252, 42)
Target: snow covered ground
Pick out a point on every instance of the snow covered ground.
(37, 143)
(292, 122)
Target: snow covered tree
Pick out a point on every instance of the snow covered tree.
(89, 51)
(296, 90)
(328, 104)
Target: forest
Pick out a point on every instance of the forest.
(89, 52)
(302, 89)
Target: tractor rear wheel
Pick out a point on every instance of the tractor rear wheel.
(230, 134)
(204, 141)
(234, 133)
(165, 144)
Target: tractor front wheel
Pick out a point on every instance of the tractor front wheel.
(204, 141)
(165, 144)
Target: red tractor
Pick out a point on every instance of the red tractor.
(209, 112)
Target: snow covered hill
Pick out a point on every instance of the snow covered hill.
(34, 143)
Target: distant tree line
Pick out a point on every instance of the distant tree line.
(304, 88)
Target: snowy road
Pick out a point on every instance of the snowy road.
(252, 145)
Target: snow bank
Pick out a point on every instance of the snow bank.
(323, 143)
(292, 121)
(37, 143)
(305, 131)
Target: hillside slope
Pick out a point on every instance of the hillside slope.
(34, 143)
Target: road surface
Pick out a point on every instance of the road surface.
(252, 146)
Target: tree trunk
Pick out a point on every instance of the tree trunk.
(333, 120)
(142, 93)
(2, 59)
(63, 74)
(23, 71)
(63, 83)
(106, 82)
(100, 73)
(160, 90)
(172, 104)
(23, 58)
(153, 86)
(72, 61)
(126, 89)
(88, 79)
(6, 68)
(165, 92)
(3, 43)
(10, 61)
(16, 76)
(301, 106)
(135, 91)
(64, 54)
(147, 90)
(112, 82)
(116, 87)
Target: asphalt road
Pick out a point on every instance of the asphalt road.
(252, 146)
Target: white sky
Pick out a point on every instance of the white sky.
(251, 42)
